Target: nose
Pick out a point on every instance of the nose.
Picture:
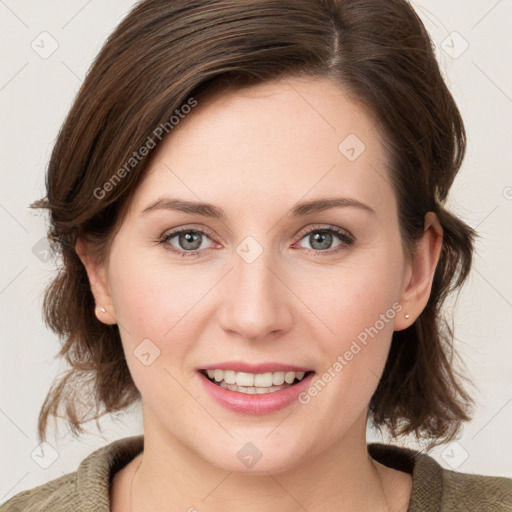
(256, 303)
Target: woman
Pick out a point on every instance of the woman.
(249, 202)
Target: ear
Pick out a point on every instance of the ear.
(97, 273)
(419, 273)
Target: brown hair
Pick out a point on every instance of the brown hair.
(167, 52)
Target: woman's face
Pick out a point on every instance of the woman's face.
(265, 284)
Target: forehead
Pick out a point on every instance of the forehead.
(273, 143)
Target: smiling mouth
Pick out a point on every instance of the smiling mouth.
(254, 384)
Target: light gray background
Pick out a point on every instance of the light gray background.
(36, 93)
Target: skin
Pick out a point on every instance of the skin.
(255, 153)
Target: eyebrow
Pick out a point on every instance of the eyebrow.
(209, 210)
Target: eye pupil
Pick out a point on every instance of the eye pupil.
(323, 238)
(189, 237)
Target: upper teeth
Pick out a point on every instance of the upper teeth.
(263, 380)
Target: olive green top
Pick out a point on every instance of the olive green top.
(434, 488)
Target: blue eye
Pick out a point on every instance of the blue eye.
(190, 242)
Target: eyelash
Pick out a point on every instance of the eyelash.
(346, 239)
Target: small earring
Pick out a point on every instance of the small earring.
(407, 316)
(102, 310)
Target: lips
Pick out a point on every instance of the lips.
(266, 401)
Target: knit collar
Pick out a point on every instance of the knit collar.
(427, 474)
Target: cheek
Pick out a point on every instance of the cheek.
(353, 359)
(358, 304)
(154, 305)
(152, 299)
(353, 298)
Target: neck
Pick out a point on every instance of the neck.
(172, 474)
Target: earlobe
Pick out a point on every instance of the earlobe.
(420, 272)
(98, 282)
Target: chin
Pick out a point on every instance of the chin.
(257, 457)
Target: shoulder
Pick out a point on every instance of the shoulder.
(440, 489)
(85, 490)
(57, 495)
(466, 491)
